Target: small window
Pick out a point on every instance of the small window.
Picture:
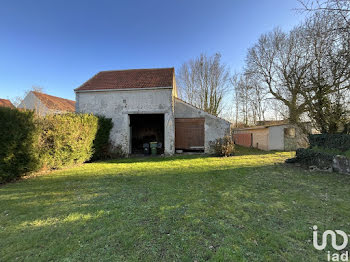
(289, 132)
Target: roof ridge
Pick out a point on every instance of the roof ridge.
(6, 103)
(36, 92)
(130, 78)
(55, 102)
(131, 69)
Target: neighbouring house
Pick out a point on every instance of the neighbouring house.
(6, 103)
(272, 135)
(46, 104)
(144, 107)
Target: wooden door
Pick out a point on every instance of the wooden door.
(189, 133)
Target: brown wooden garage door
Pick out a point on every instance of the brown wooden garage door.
(189, 133)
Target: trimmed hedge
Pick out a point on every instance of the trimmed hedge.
(18, 143)
(330, 141)
(66, 139)
(29, 142)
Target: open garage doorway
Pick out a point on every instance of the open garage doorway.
(146, 128)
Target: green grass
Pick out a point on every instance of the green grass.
(185, 208)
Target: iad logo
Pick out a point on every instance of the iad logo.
(333, 235)
(333, 239)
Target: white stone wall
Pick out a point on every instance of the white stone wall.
(118, 104)
(215, 127)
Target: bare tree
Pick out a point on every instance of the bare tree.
(257, 100)
(278, 63)
(241, 91)
(18, 99)
(277, 108)
(334, 8)
(307, 69)
(203, 82)
(244, 96)
(187, 83)
(234, 80)
(328, 77)
(249, 99)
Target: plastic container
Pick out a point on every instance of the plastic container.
(146, 149)
(153, 146)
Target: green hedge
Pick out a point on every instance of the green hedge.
(18, 143)
(101, 142)
(66, 139)
(330, 141)
(29, 142)
(323, 148)
(310, 157)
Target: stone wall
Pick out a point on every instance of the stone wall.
(293, 142)
(118, 104)
(341, 164)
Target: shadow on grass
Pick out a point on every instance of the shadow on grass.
(173, 211)
(134, 168)
(137, 159)
(240, 151)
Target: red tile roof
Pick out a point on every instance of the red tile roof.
(55, 103)
(133, 78)
(6, 103)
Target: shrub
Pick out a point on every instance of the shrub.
(18, 143)
(66, 139)
(330, 141)
(223, 146)
(311, 157)
(29, 142)
(102, 147)
(323, 148)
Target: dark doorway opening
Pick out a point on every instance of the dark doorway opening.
(146, 128)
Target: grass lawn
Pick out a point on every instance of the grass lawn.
(186, 208)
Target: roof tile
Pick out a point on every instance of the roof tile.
(55, 103)
(133, 78)
(6, 103)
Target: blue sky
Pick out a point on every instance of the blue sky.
(58, 45)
